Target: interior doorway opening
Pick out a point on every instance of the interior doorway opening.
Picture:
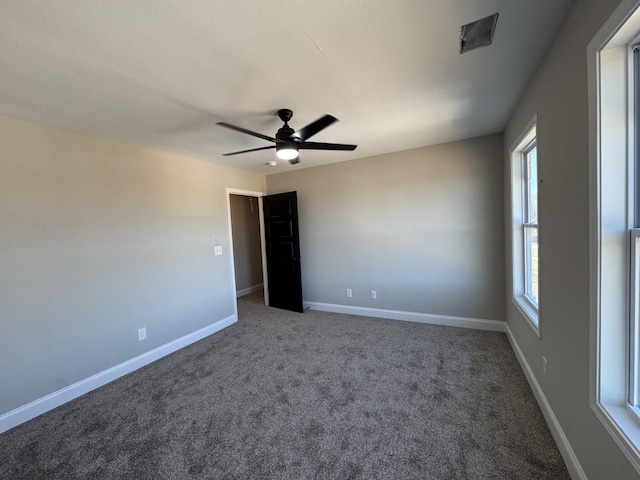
(246, 243)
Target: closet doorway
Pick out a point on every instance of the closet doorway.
(247, 239)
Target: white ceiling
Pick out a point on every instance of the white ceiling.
(161, 73)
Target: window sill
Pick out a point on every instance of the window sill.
(529, 312)
(624, 426)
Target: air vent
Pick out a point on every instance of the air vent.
(478, 34)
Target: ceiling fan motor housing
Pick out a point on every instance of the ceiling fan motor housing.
(284, 133)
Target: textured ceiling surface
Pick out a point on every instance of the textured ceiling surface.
(161, 73)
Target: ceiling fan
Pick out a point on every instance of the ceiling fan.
(288, 141)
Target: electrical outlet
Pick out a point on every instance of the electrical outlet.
(217, 249)
(374, 295)
(545, 366)
(142, 333)
(349, 293)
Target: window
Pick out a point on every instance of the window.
(530, 167)
(614, 117)
(524, 213)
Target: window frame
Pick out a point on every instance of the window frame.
(614, 124)
(520, 268)
(634, 236)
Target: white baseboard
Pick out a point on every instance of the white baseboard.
(247, 291)
(49, 402)
(570, 459)
(446, 320)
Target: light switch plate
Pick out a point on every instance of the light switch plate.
(218, 249)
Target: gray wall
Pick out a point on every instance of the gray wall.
(424, 228)
(558, 93)
(247, 250)
(99, 239)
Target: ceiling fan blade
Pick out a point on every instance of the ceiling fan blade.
(325, 146)
(248, 132)
(247, 151)
(314, 127)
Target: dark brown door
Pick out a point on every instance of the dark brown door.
(283, 251)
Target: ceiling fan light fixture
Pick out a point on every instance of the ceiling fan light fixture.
(287, 151)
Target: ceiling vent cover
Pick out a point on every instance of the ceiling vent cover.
(478, 34)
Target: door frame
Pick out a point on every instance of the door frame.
(265, 282)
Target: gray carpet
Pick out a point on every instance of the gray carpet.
(281, 395)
